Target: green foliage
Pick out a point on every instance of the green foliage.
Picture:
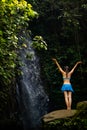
(76, 122)
(39, 43)
(15, 16)
(63, 23)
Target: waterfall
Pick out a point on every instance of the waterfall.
(31, 96)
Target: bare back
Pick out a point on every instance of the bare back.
(66, 80)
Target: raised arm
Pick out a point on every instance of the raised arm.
(59, 67)
(79, 62)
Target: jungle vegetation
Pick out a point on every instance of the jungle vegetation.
(63, 26)
(62, 23)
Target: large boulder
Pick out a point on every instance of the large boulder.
(82, 105)
(67, 119)
(58, 114)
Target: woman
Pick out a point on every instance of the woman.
(67, 87)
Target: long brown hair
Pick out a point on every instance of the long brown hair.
(66, 69)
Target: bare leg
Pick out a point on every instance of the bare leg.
(68, 99)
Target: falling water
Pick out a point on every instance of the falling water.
(31, 96)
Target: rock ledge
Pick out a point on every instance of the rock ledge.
(58, 114)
